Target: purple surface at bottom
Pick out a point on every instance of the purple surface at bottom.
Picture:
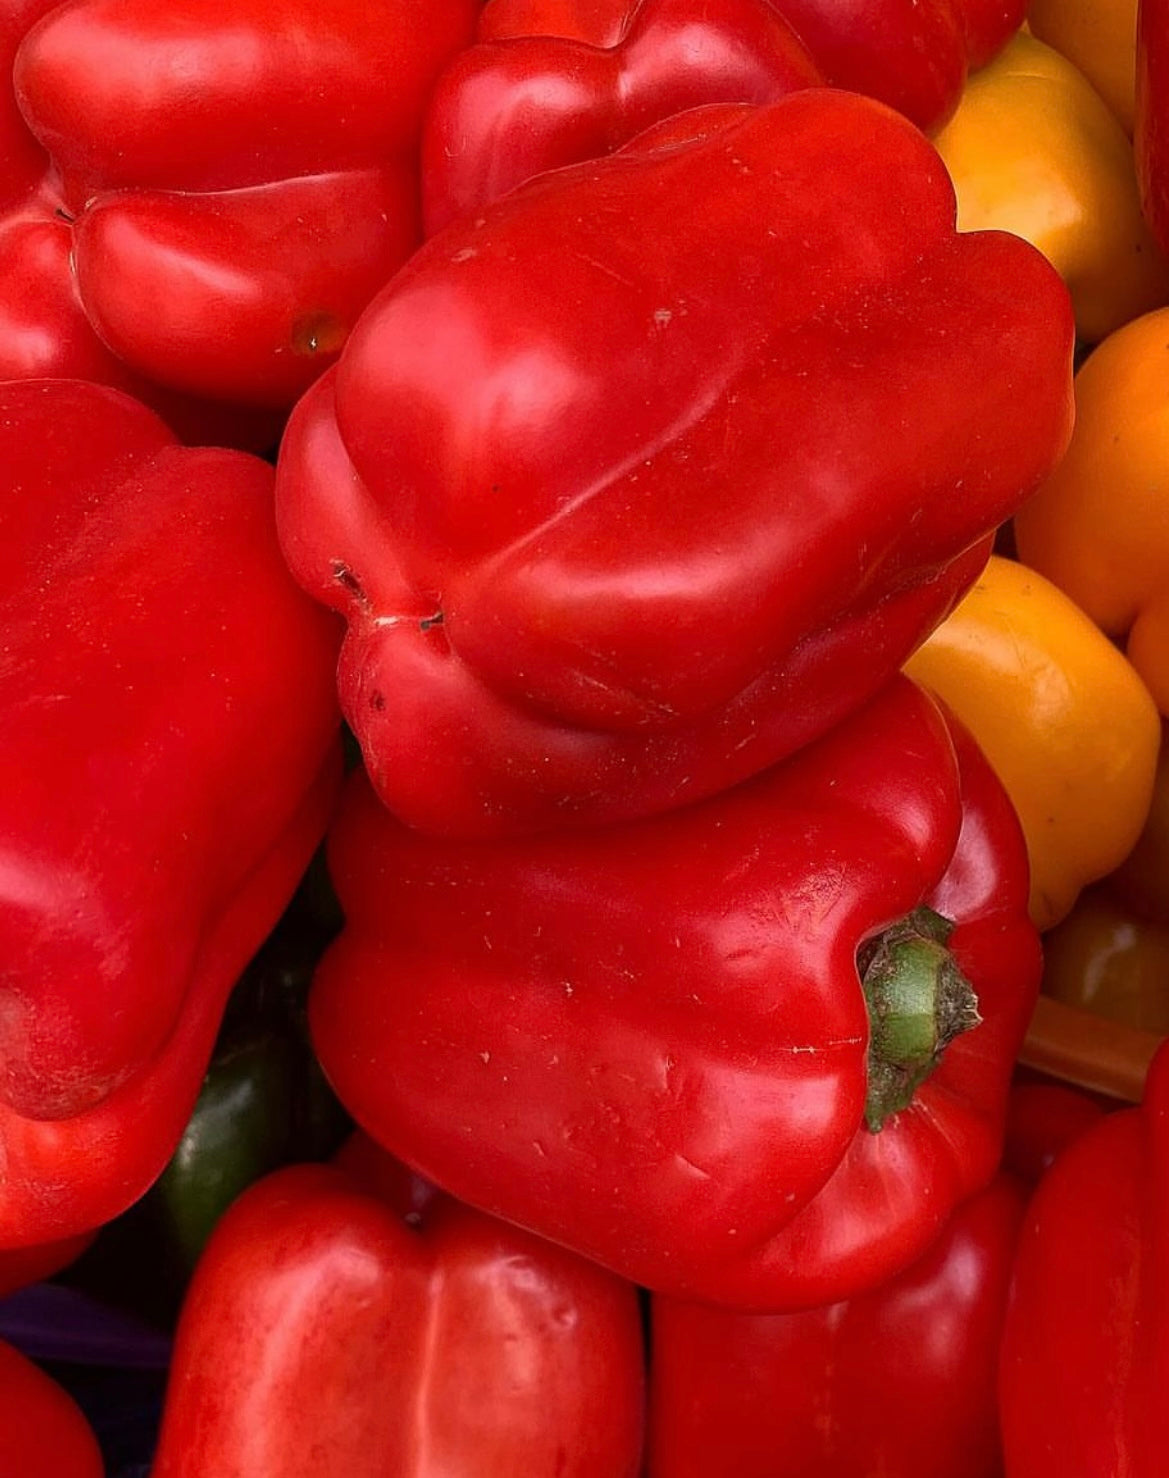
(50, 1322)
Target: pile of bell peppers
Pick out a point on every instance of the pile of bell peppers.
(584, 838)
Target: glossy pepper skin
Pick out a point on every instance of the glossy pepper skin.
(328, 1334)
(1034, 149)
(650, 1042)
(168, 761)
(231, 182)
(911, 54)
(508, 109)
(900, 1380)
(43, 327)
(1096, 527)
(42, 1429)
(508, 485)
(1063, 717)
(1085, 1359)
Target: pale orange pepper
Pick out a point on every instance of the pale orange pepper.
(1099, 526)
(1097, 36)
(1033, 149)
(1062, 716)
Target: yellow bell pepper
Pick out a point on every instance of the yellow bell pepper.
(1033, 149)
(1061, 715)
(1097, 36)
(1099, 526)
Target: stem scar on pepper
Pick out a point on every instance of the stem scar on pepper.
(918, 1001)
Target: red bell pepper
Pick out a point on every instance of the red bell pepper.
(20, 1266)
(509, 109)
(42, 1429)
(552, 82)
(230, 184)
(326, 1335)
(1151, 135)
(1043, 1118)
(651, 1043)
(1085, 1362)
(899, 1381)
(911, 54)
(622, 503)
(168, 761)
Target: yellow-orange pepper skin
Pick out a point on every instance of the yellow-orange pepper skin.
(1097, 36)
(1107, 960)
(1033, 149)
(1099, 526)
(1061, 715)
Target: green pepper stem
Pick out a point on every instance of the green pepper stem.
(918, 1002)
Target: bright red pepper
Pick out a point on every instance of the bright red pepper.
(230, 184)
(325, 1335)
(651, 1042)
(505, 110)
(168, 760)
(1085, 1362)
(623, 503)
(898, 1381)
(911, 54)
(42, 1429)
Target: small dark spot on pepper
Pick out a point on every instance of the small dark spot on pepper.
(377, 701)
(428, 621)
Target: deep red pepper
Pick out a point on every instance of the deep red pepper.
(168, 760)
(1151, 135)
(224, 188)
(899, 1381)
(651, 1043)
(1085, 1362)
(623, 503)
(1043, 1118)
(324, 1333)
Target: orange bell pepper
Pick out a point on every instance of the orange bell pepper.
(1062, 716)
(1099, 37)
(1033, 149)
(1099, 526)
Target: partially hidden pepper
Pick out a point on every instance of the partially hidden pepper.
(1085, 1359)
(41, 1425)
(900, 1380)
(652, 1042)
(218, 191)
(911, 54)
(1033, 149)
(551, 84)
(1066, 721)
(1097, 526)
(1100, 38)
(169, 759)
(508, 486)
(341, 1319)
